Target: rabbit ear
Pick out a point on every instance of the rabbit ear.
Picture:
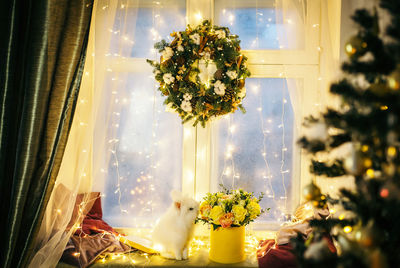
(176, 195)
(178, 205)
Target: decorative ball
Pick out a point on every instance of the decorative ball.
(311, 192)
(346, 245)
(204, 64)
(394, 79)
(379, 89)
(356, 47)
(378, 259)
(369, 235)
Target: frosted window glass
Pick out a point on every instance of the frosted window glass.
(255, 149)
(143, 156)
(147, 161)
(255, 22)
(136, 30)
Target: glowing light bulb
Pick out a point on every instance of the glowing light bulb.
(198, 16)
(347, 229)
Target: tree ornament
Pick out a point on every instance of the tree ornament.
(354, 163)
(394, 79)
(378, 259)
(379, 89)
(346, 245)
(318, 251)
(311, 192)
(356, 47)
(369, 236)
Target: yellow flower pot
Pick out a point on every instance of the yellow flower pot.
(227, 244)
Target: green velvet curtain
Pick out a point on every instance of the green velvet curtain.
(42, 53)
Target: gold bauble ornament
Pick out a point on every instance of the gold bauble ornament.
(379, 89)
(378, 259)
(394, 79)
(368, 236)
(356, 47)
(311, 192)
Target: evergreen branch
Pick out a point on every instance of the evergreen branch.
(333, 170)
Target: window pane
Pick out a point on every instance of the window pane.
(137, 29)
(139, 144)
(255, 149)
(144, 152)
(260, 25)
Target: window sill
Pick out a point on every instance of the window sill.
(198, 256)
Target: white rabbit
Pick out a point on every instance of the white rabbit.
(173, 232)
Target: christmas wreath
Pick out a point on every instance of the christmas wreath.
(202, 73)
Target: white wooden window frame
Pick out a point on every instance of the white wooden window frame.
(199, 151)
(198, 148)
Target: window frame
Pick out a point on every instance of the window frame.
(198, 150)
(299, 64)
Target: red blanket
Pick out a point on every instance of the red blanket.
(95, 237)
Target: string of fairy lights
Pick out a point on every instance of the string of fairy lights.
(147, 178)
(146, 181)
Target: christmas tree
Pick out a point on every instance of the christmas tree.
(366, 231)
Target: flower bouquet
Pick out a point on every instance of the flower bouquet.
(228, 212)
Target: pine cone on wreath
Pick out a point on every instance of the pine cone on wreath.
(229, 95)
(218, 74)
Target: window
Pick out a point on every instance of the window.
(144, 143)
(150, 152)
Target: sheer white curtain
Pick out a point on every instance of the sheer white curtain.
(313, 97)
(79, 163)
(121, 138)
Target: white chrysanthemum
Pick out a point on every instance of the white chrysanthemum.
(167, 53)
(180, 48)
(169, 108)
(219, 88)
(186, 106)
(168, 78)
(205, 55)
(187, 96)
(196, 38)
(242, 93)
(231, 74)
(220, 34)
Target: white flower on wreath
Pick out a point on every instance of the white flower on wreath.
(187, 96)
(186, 106)
(180, 47)
(219, 88)
(231, 74)
(157, 72)
(169, 108)
(196, 38)
(242, 93)
(167, 53)
(205, 55)
(168, 78)
(220, 34)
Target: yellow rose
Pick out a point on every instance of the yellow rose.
(254, 209)
(239, 212)
(205, 209)
(216, 213)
